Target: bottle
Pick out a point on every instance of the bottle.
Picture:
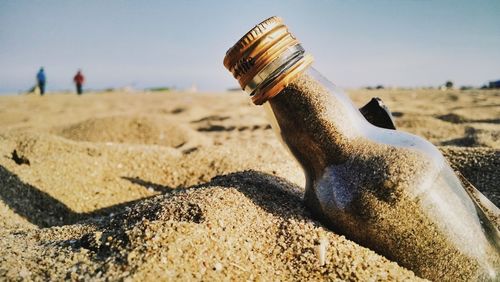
(388, 190)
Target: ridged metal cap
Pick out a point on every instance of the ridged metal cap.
(259, 52)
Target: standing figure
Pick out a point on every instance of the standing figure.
(41, 79)
(79, 79)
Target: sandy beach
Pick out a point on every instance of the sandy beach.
(185, 186)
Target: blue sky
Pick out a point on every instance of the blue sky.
(179, 43)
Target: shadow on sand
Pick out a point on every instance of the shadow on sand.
(43, 210)
(39, 207)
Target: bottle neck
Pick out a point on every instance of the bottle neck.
(314, 122)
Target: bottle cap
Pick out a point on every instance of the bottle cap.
(266, 59)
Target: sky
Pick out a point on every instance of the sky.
(406, 43)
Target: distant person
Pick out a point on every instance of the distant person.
(41, 79)
(79, 79)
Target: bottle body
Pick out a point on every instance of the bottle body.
(388, 190)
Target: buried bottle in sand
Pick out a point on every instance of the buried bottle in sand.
(385, 189)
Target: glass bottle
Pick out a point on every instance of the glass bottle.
(385, 189)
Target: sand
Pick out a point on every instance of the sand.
(195, 186)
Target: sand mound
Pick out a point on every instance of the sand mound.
(273, 238)
(65, 178)
(135, 130)
(80, 170)
(428, 127)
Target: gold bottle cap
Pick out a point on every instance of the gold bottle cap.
(262, 51)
